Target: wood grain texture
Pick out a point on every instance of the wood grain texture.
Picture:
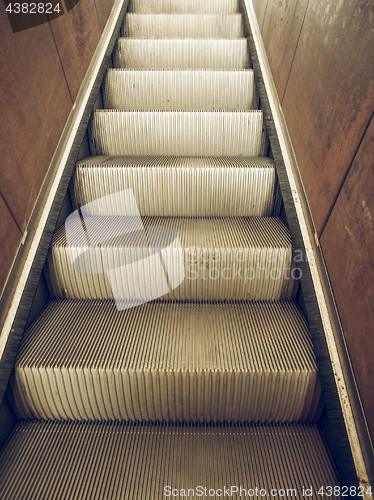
(77, 34)
(35, 104)
(260, 9)
(103, 8)
(348, 247)
(329, 97)
(10, 239)
(281, 31)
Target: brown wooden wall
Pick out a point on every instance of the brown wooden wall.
(320, 53)
(41, 72)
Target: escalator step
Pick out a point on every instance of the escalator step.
(184, 7)
(183, 26)
(142, 53)
(176, 133)
(86, 360)
(147, 390)
(210, 259)
(187, 90)
(116, 460)
(174, 186)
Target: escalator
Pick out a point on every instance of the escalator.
(174, 357)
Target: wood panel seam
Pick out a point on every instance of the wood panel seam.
(294, 55)
(332, 205)
(97, 15)
(62, 66)
(263, 20)
(11, 213)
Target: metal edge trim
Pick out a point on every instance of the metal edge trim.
(22, 281)
(354, 418)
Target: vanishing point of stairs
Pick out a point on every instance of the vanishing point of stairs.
(215, 382)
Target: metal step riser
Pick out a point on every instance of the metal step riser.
(209, 259)
(184, 7)
(182, 26)
(202, 188)
(167, 362)
(173, 227)
(209, 275)
(179, 90)
(181, 54)
(176, 133)
(155, 395)
(99, 460)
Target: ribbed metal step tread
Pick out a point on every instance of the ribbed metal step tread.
(116, 460)
(226, 362)
(219, 258)
(187, 53)
(184, 7)
(176, 186)
(176, 133)
(187, 90)
(183, 26)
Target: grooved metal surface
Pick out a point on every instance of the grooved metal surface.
(124, 461)
(223, 258)
(182, 26)
(185, 90)
(184, 7)
(181, 53)
(204, 358)
(176, 133)
(23, 279)
(161, 362)
(175, 186)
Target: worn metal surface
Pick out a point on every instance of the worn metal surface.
(246, 362)
(181, 53)
(266, 245)
(161, 90)
(176, 133)
(184, 7)
(182, 26)
(179, 187)
(233, 258)
(22, 283)
(122, 461)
